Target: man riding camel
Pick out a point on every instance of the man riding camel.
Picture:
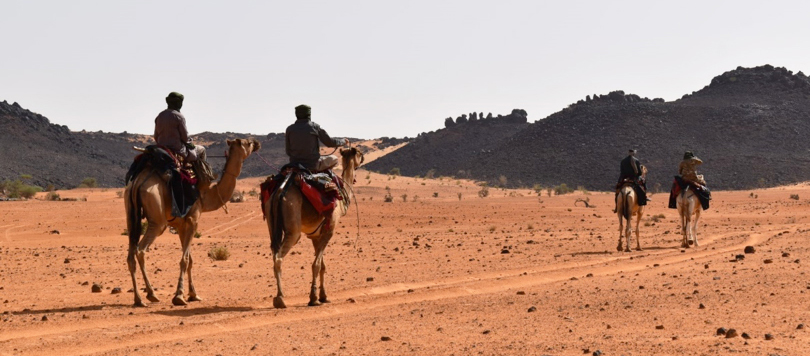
(687, 175)
(630, 169)
(171, 131)
(302, 139)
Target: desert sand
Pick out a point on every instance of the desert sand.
(454, 274)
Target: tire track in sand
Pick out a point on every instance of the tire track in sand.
(368, 299)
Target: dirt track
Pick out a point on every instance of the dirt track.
(432, 277)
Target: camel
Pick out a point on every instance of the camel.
(297, 216)
(627, 207)
(689, 205)
(148, 196)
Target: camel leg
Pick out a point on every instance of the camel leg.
(627, 233)
(154, 230)
(132, 267)
(192, 292)
(185, 232)
(621, 231)
(291, 239)
(638, 221)
(319, 269)
(695, 229)
(685, 219)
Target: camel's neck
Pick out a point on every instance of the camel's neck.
(348, 175)
(220, 193)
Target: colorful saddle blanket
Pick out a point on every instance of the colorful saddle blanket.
(679, 184)
(322, 190)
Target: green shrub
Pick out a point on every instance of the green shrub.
(88, 182)
(52, 196)
(430, 174)
(562, 189)
(395, 171)
(484, 192)
(28, 191)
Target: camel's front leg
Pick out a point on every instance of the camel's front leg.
(131, 264)
(192, 292)
(684, 228)
(621, 231)
(290, 239)
(695, 229)
(319, 269)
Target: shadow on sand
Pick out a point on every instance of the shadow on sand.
(70, 310)
(184, 312)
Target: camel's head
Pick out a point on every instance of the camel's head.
(242, 147)
(351, 159)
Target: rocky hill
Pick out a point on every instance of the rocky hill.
(749, 125)
(54, 155)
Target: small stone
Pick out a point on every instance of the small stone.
(674, 338)
(785, 254)
(486, 332)
(351, 300)
(256, 346)
(504, 251)
(768, 337)
(731, 333)
(768, 261)
(116, 290)
(385, 338)
(659, 327)
(96, 288)
(706, 266)
(597, 353)
(739, 257)
(45, 318)
(532, 309)
(722, 331)
(701, 306)
(640, 287)
(746, 336)
(800, 326)
(520, 292)
(749, 249)
(369, 279)
(67, 260)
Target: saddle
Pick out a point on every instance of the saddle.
(322, 189)
(180, 176)
(701, 191)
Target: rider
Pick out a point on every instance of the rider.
(630, 168)
(302, 139)
(688, 168)
(171, 131)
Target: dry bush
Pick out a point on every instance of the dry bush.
(484, 192)
(52, 196)
(237, 197)
(794, 196)
(88, 182)
(219, 253)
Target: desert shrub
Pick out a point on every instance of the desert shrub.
(484, 192)
(459, 196)
(88, 182)
(197, 234)
(562, 189)
(119, 193)
(52, 196)
(583, 190)
(415, 198)
(657, 188)
(395, 171)
(388, 197)
(28, 191)
(237, 197)
(502, 180)
(26, 176)
(657, 218)
(404, 197)
(219, 253)
(430, 174)
(538, 189)
(253, 192)
(492, 228)
(549, 190)
(50, 188)
(794, 196)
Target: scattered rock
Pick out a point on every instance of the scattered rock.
(256, 346)
(800, 327)
(67, 260)
(597, 353)
(385, 338)
(520, 292)
(768, 336)
(749, 249)
(369, 279)
(504, 251)
(722, 331)
(701, 306)
(45, 318)
(96, 288)
(768, 261)
(54, 232)
(116, 290)
(351, 300)
(532, 309)
(486, 332)
(731, 333)
(746, 336)
(659, 327)
(785, 254)
(739, 257)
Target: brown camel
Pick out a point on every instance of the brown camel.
(297, 216)
(148, 196)
(689, 205)
(627, 207)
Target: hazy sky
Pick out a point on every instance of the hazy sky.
(372, 68)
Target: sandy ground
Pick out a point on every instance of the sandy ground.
(455, 274)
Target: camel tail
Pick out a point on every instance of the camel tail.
(134, 217)
(626, 207)
(276, 205)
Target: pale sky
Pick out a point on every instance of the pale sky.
(372, 68)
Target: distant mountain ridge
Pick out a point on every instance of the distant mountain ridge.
(749, 125)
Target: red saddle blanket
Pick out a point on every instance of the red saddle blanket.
(323, 202)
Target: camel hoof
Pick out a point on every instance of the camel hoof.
(627, 250)
(194, 299)
(139, 304)
(639, 249)
(179, 301)
(152, 298)
(619, 248)
(324, 300)
(313, 303)
(691, 242)
(278, 302)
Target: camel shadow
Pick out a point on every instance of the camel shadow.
(69, 310)
(587, 253)
(184, 312)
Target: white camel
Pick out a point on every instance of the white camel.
(627, 207)
(689, 205)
